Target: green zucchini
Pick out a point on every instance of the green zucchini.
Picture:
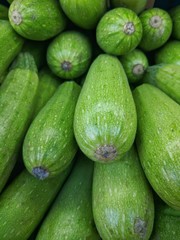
(157, 141)
(24, 203)
(166, 77)
(8, 51)
(3, 12)
(69, 54)
(119, 31)
(48, 84)
(49, 144)
(17, 100)
(71, 217)
(135, 64)
(37, 20)
(84, 13)
(136, 6)
(157, 28)
(168, 53)
(175, 15)
(105, 115)
(123, 205)
(166, 223)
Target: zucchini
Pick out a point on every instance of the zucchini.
(17, 101)
(24, 203)
(10, 45)
(135, 64)
(119, 31)
(69, 54)
(37, 20)
(168, 53)
(123, 205)
(166, 77)
(175, 15)
(136, 6)
(105, 114)
(48, 84)
(157, 28)
(84, 13)
(157, 141)
(49, 145)
(71, 217)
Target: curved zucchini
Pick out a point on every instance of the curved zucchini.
(17, 100)
(49, 145)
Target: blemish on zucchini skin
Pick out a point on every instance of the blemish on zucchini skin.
(40, 173)
(140, 227)
(106, 153)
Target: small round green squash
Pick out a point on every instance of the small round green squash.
(69, 54)
(136, 6)
(119, 31)
(175, 15)
(37, 20)
(157, 28)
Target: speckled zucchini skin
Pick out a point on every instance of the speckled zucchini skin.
(166, 223)
(10, 50)
(175, 15)
(49, 145)
(157, 141)
(24, 203)
(84, 13)
(105, 115)
(157, 28)
(48, 84)
(166, 77)
(71, 215)
(17, 99)
(37, 20)
(123, 205)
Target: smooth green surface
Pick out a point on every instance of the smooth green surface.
(166, 77)
(49, 143)
(105, 115)
(168, 53)
(10, 45)
(71, 217)
(84, 13)
(135, 64)
(166, 223)
(69, 54)
(136, 6)
(17, 100)
(122, 200)
(157, 35)
(24, 203)
(175, 15)
(157, 141)
(37, 20)
(48, 84)
(110, 32)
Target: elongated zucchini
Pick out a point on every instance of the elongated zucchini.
(17, 100)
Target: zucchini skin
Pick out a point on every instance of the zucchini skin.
(166, 77)
(10, 45)
(49, 145)
(157, 141)
(24, 203)
(105, 117)
(17, 100)
(71, 217)
(123, 205)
